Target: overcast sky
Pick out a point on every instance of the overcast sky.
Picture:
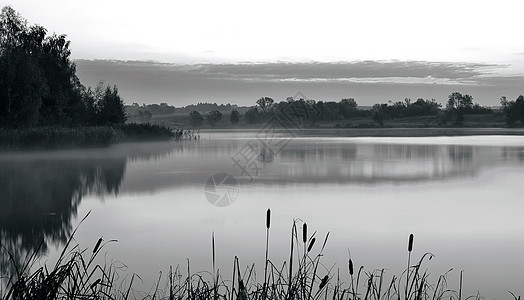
(424, 48)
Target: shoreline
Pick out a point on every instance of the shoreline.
(88, 137)
(386, 132)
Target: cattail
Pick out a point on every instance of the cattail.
(97, 245)
(311, 244)
(96, 282)
(268, 218)
(304, 233)
(323, 282)
(350, 267)
(242, 292)
(410, 244)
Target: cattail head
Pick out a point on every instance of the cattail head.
(323, 282)
(97, 245)
(410, 243)
(350, 265)
(304, 233)
(96, 282)
(311, 244)
(268, 218)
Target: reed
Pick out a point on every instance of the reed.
(74, 137)
(268, 225)
(77, 276)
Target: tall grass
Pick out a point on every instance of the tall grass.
(76, 276)
(74, 137)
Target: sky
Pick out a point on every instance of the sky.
(183, 52)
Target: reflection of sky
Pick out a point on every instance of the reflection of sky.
(470, 224)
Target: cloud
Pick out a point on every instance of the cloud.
(361, 71)
(370, 80)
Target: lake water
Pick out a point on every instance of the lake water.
(460, 196)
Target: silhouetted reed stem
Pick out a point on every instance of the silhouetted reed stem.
(268, 225)
(410, 248)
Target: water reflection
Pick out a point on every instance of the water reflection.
(321, 162)
(40, 192)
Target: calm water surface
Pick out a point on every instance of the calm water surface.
(460, 196)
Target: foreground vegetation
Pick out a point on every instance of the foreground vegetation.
(77, 276)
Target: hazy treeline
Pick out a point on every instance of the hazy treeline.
(312, 112)
(144, 112)
(38, 82)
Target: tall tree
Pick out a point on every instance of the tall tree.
(457, 105)
(110, 107)
(38, 84)
(265, 104)
(22, 82)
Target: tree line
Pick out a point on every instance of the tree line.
(311, 112)
(38, 82)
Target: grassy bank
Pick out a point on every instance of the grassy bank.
(77, 276)
(65, 137)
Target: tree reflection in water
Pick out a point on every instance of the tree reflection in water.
(40, 194)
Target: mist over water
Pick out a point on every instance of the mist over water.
(460, 196)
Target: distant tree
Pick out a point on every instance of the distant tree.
(265, 104)
(378, 113)
(213, 117)
(513, 111)
(349, 103)
(458, 101)
(145, 115)
(457, 106)
(195, 118)
(348, 107)
(252, 115)
(235, 116)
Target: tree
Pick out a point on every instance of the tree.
(348, 107)
(458, 101)
(252, 115)
(235, 116)
(213, 117)
(378, 113)
(513, 110)
(38, 84)
(110, 106)
(457, 105)
(195, 118)
(22, 82)
(265, 104)
(145, 115)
